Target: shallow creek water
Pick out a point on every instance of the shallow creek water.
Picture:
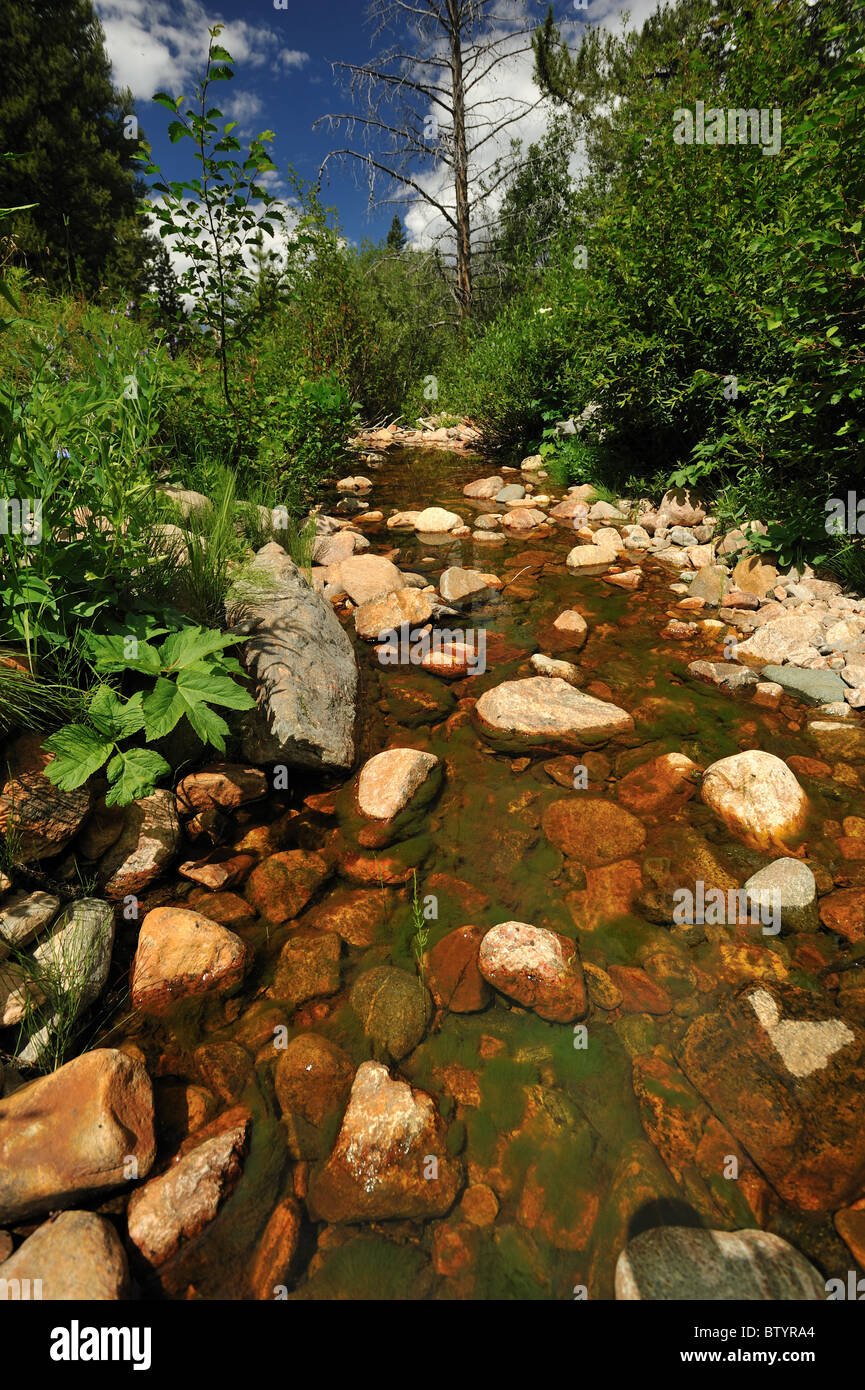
(582, 1140)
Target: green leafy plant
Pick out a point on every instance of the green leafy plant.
(420, 934)
(190, 675)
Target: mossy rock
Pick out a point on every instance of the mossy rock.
(394, 1009)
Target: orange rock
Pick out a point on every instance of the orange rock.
(182, 954)
(661, 786)
(276, 1250)
(281, 886)
(592, 830)
(844, 912)
(454, 978)
(640, 995)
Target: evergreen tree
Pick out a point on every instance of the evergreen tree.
(61, 113)
(396, 237)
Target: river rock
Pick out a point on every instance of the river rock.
(76, 1256)
(390, 781)
(564, 670)
(394, 1009)
(76, 1133)
(592, 830)
(37, 818)
(391, 1159)
(24, 915)
(281, 885)
(332, 550)
(590, 557)
(680, 507)
(784, 1070)
(836, 740)
(710, 584)
(462, 586)
(374, 620)
(176, 1206)
(523, 519)
(683, 1263)
(308, 967)
(757, 797)
(76, 957)
(485, 487)
(812, 687)
(572, 624)
(541, 710)
(303, 662)
(780, 641)
(433, 521)
(538, 968)
(754, 576)
(789, 886)
(223, 786)
(145, 847)
(660, 786)
(182, 955)
(454, 977)
(312, 1077)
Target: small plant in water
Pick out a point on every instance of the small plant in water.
(420, 935)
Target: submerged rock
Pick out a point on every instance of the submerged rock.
(784, 1071)
(682, 1263)
(391, 1160)
(789, 887)
(592, 830)
(282, 885)
(394, 1009)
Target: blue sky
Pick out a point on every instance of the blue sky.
(283, 78)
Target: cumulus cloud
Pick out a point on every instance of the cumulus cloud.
(162, 44)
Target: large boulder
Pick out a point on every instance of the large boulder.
(74, 1134)
(757, 797)
(462, 586)
(182, 955)
(365, 577)
(77, 1256)
(784, 1069)
(791, 639)
(303, 662)
(434, 521)
(547, 710)
(682, 1263)
(391, 1159)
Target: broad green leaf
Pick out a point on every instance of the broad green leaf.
(79, 752)
(133, 774)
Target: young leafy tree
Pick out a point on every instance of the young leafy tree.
(213, 219)
(76, 137)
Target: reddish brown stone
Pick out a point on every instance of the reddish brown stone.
(453, 974)
(281, 886)
(592, 830)
(640, 994)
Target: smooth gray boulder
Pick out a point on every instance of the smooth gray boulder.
(814, 687)
(304, 664)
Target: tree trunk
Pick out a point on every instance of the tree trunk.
(461, 172)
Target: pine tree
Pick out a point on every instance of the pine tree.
(75, 135)
(396, 237)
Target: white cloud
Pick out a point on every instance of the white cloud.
(162, 44)
(243, 107)
(292, 58)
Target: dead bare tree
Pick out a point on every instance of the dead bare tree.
(433, 101)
